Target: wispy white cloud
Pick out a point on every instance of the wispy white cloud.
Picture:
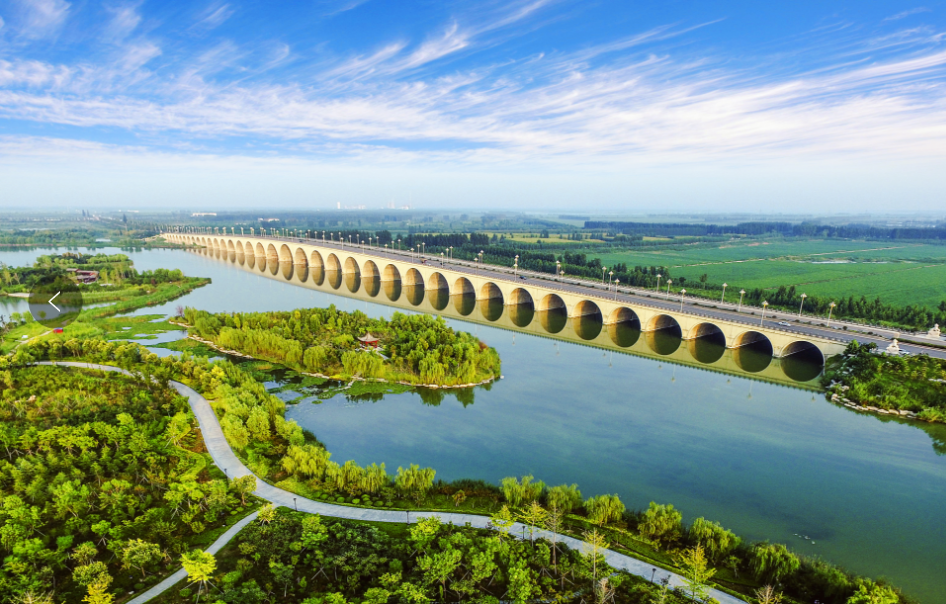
(214, 16)
(336, 7)
(908, 13)
(125, 18)
(42, 18)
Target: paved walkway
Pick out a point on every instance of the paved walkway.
(225, 459)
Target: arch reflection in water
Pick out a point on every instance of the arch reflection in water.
(414, 293)
(491, 308)
(624, 327)
(802, 361)
(372, 285)
(438, 298)
(464, 303)
(353, 281)
(333, 278)
(664, 341)
(317, 274)
(521, 314)
(287, 269)
(754, 357)
(392, 289)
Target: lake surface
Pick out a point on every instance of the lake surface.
(766, 460)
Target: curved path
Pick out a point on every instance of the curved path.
(225, 459)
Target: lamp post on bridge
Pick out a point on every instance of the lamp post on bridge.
(603, 268)
(610, 277)
(558, 267)
(616, 283)
(515, 267)
(802, 305)
(669, 283)
(762, 320)
(830, 310)
(657, 289)
(682, 293)
(723, 297)
(441, 259)
(742, 293)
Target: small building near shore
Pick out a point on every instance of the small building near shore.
(369, 340)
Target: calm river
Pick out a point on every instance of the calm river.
(766, 460)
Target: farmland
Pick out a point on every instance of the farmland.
(901, 273)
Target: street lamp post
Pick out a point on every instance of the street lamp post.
(399, 245)
(441, 259)
(723, 298)
(558, 267)
(610, 278)
(682, 293)
(616, 283)
(669, 283)
(515, 267)
(830, 310)
(657, 289)
(742, 293)
(603, 269)
(802, 305)
(762, 320)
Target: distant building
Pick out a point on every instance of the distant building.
(199, 214)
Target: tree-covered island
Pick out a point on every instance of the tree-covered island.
(412, 349)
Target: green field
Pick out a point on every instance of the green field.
(904, 273)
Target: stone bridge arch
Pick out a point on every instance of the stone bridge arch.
(413, 277)
(370, 270)
(587, 320)
(437, 281)
(300, 257)
(351, 266)
(624, 326)
(491, 291)
(230, 246)
(285, 254)
(706, 330)
(520, 297)
(332, 264)
(391, 273)
(660, 322)
(462, 287)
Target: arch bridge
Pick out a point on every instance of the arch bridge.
(503, 290)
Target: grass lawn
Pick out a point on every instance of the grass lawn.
(900, 273)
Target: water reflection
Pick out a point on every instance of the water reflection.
(624, 333)
(521, 314)
(664, 341)
(754, 357)
(464, 303)
(554, 319)
(334, 278)
(414, 294)
(709, 348)
(588, 326)
(492, 308)
(438, 298)
(392, 289)
(352, 282)
(372, 285)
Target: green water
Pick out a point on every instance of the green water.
(766, 460)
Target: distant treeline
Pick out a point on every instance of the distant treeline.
(787, 229)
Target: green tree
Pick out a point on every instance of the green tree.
(772, 562)
(415, 481)
(535, 516)
(243, 486)
(869, 592)
(199, 566)
(564, 497)
(604, 509)
(593, 549)
(697, 572)
(661, 524)
(522, 492)
(717, 541)
(137, 553)
(768, 595)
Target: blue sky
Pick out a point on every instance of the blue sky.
(632, 106)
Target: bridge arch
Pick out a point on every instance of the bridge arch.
(391, 273)
(230, 246)
(413, 277)
(315, 260)
(239, 247)
(553, 315)
(660, 322)
(752, 351)
(520, 297)
(551, 302)
(587, 320)
(285, 254)
(462, 287)
(802, 361)
(370, 270)
(706, 330)
(491, 291)
(300, 257)
(260, 251)
(248, 249)
(437, 281)
(351, 266)
(332, 264)
(271, 253)
(624, 326)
